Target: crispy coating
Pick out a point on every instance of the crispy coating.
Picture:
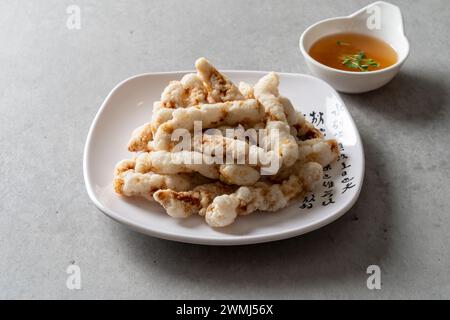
(195, 91)
(165, 162)
(184, 204)
(160, 115)
(239, 174)
(280, 114)
(188, 92)
(266, 91)
(315, 150)
(210, 115)
(288, 148)
(211, 142)
(246, 90)
(263, 196)
(173, 96)
(237, 150)
(220, 88)
(129, 183)
(321, 151)
(292, 116)
(140, 138)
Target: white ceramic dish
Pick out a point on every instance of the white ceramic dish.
(364, 21)
(129, 105)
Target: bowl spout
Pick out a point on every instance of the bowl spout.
(381, 17)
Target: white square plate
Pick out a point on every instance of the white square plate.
(129, 105)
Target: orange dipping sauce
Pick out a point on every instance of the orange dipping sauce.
(353, 52)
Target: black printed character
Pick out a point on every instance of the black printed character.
(347, 180)
(344, 173)
(328, 184)
(308, 202)
(348, 186)
(328, 202)
(326, 176)
(345, 166)
(328, 194)
(317, 118)
(342, 156)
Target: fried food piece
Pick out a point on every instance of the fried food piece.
(195, 91)
(315, 150)
(219, 87)
(140, 138)
(165, 162)
(172, 96)
(129, 183)
(248, 159)
(184, 204)
(236, 150)
(210, 115)
(263, 196)
(160, 115)
(266, 92)
(215, 143)
(219, 149)
(246, 90)
(280, 114)
(188, 92)
(295, 119)
(279, 108)
(239, 174)
(321, 151)
(288, 148)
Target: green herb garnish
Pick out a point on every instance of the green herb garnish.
(359, 61)
(342, 43)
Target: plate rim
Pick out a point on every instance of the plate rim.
(238, 240)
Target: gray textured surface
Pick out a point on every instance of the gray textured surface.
(53, 80)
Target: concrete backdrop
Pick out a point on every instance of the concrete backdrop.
(53, 80)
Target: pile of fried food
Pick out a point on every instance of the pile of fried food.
(221, 192)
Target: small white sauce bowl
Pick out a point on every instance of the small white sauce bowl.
(381, 20)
